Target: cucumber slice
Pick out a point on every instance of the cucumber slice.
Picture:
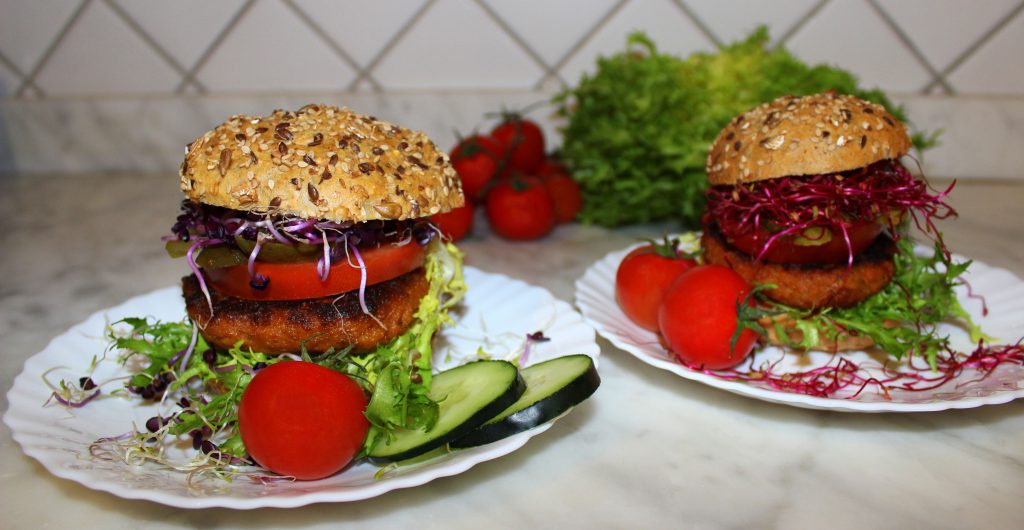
(468, 395)
(552, 387)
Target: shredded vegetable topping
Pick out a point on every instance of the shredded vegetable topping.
(205, 226)
(842, 374)
(881, 192)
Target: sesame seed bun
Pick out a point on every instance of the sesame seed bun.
(320, 162)
(785, 324)
(792, 136)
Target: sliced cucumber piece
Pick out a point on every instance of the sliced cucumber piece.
(467, 395)
(552, 387)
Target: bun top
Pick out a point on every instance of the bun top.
(320, 162)
(822, 133)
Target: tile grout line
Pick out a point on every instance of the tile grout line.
(575, 48)
(800, 23)
(9, 64)
(30, 78)
(548, 71)
(217, 41)
(334, 46)
(394, 40)
(704, 28)
(148, 39)
(977, 45)
(912, 48)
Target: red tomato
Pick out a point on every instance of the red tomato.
(454, 224)
(523, 142)
(698, 317)
(301, 419)
(476, 161)
(551, 166)
(299, 280)
(642, 279)
(521, 209)
(785, 250)
(567, 196)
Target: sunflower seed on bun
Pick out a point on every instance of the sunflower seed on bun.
(320, 162)
(792, 136)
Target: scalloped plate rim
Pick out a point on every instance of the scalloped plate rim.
(590, 280)
(20, 422)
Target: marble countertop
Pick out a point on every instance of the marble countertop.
(650, 450)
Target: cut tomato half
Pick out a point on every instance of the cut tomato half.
(786, 249)
(300, 281)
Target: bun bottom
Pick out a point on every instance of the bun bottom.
(813, 286)
(842, 342)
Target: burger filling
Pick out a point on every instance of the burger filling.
(826, 219)
(265, 256)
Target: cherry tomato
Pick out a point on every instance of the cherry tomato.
(551, 166)
(301, 419)
(522, 140)
(476, 160)
(643, 277)
(520, 208)
(785, 249)
(698, 317)
(567, 196)
(454, 224)
(300, 280)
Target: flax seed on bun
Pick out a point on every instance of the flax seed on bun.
(320, 162)
(793, 136)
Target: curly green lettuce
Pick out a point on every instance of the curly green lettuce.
(637, 131)
(903, 317)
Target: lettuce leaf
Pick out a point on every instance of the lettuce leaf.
(637, 131)
(399, 372)
(902, 318)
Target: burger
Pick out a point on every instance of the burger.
(808, 198)
(307, 234)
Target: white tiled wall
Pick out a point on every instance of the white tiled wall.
(71, 61)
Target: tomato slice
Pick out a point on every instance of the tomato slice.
(785, 249)
(299, 280)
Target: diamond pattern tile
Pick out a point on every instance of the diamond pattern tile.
(995, 67)
(733, 20)
(836, 35)
(183, 28)
(662, 20)
(84, 48)
(473, 53)
(27, 29)
(269, 50)
(100, 55)
(361, 28)
(551, 27)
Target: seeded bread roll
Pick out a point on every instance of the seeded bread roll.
(843, 342)
(320, 162)
(791, 136)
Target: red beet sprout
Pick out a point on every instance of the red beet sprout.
(841, 374)
(880, 192)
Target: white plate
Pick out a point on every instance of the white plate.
(1003, 291)
(503, 309)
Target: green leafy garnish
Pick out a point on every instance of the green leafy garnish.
(639, 128)
(902, 318)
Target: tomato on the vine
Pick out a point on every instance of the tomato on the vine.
(698, 317)
(303, 420)
(643, 277)
(476, 159)
(566, 194)
(456, 223)
(522, 141)
(520, 208)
